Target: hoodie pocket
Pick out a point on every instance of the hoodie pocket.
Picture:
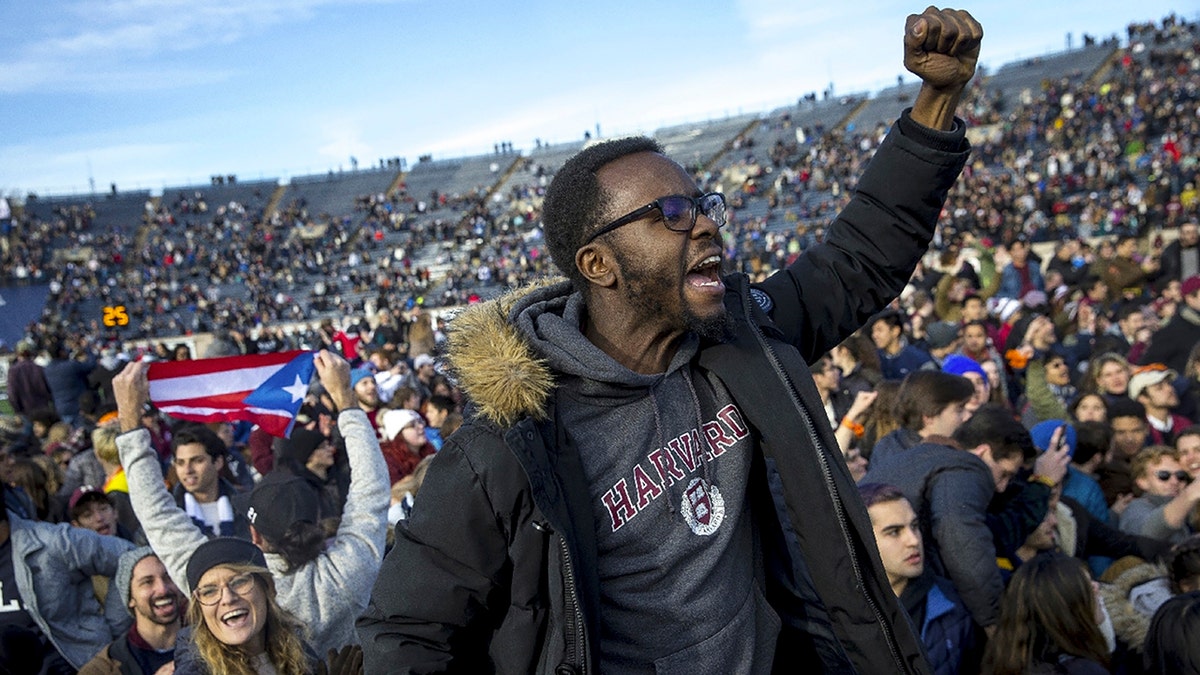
(746, 645)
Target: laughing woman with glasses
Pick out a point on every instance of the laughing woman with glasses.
(1168, 496)
(238, 627)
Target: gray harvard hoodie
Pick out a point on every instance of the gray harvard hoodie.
(667, 459)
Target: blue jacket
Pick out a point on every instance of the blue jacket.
(947, 632)
(54, 565)
(1010, 280)
(1085, 490)
(907, 360)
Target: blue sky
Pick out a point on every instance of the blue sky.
(157, 93)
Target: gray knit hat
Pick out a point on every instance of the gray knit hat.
(124, 576)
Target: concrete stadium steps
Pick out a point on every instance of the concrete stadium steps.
(121, 212)
(1077, 65)
(333, 194)
(697, 144)
(253, 196)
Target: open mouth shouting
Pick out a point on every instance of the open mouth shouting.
(706, 275)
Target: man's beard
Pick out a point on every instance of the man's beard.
(647, 290)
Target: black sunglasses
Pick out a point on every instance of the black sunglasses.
(1183, 476)
(678, 213)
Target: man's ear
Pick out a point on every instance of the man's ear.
(596, 263)
(982, 451)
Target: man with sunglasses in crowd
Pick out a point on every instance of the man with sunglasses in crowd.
(649, 482)
(1168, 496)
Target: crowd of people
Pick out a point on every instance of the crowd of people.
(1023, 429)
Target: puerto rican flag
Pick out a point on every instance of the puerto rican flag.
(266, 389)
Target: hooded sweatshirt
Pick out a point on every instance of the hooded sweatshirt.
(667, 459)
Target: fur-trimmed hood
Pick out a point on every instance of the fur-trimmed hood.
(494, 363)
(508, 353)
(1130, 623)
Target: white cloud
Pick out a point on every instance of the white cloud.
(120, 43)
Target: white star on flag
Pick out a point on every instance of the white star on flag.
(298, 389)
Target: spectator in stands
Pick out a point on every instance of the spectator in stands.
(1153, 387)
(950, 487)
(944, 624)
(1180, 260)
(1187, 443)
(424, 371)
(28, 390)
(324, 582)
(1168, 496)
(1089, 408)
(1127, 420)
(157, 607)
(115, 486)
(366, 391)
(1172, 343)
(1049, 622)
(1108, 375)
(859, 361)
(1022, 274)
(1076, 484)
(230, 578)
(68, 379)
(630, 322)
(198, 456)
(957, 364)
(437, 408)
(46, 585)
(91, 509)
(897, 358)
(941, 338)
(309, 455)
(1125, 277)
(828, 380)
(404, 442)
(930, 404)
(1171, 645)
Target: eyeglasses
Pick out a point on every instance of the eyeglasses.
(211, 594)
(678, 213)
(1182, 476)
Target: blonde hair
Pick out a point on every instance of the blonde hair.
(1140, 464)
(104, 442)
(285, 649)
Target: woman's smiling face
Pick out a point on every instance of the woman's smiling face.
(237, 618)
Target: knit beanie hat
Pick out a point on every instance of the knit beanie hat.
(358, 375)
(124, 576)
(1043, 431)
(222, 551)
(299, 446)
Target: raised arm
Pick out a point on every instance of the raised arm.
(941, 47)
(169, 531)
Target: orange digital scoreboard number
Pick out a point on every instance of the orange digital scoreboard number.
(115, 316)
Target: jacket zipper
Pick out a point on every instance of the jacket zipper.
(579, 645)
(827, 473)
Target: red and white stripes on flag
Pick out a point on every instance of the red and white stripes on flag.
(215, 390)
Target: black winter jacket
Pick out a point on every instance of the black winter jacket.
(496, 569)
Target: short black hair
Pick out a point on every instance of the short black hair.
(443, 403)
(995, 425)
(891, 317)
(195, 433)
(1091, 439)
(575, 200)
(1123, 406)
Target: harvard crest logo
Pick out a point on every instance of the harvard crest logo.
(702, 507)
